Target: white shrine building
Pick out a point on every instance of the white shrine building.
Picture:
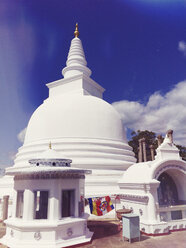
(89, 131)
(156, 190)
(48, 204)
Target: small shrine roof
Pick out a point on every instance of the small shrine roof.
(46, 172)
(50, 153)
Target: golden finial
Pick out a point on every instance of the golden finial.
(76, 33)
(50, 145)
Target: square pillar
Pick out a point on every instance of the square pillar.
(152, 194)
(53, 210)
(28, 207)
(5, 206)
(14, 199)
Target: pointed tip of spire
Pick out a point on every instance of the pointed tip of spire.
(76, 33)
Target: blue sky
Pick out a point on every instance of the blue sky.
(136, 50)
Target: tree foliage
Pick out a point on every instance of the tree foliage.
(150, 139)
(182, 151)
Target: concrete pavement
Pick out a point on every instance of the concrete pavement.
(107, 234)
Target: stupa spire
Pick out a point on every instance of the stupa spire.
(76, 33)
(76, 63)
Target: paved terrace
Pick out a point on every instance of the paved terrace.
(107, 234)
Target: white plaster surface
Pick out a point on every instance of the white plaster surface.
(88, 130)
(55, 231)
(140, 183)
(80, 125)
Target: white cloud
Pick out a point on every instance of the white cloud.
(182, 47)
(162, 112)
(21, 135)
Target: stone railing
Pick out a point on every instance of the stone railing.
(169, 213)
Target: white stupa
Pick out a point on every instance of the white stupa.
(81, 125)
(88, 130)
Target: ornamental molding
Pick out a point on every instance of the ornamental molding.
(37, 236)
(146, 186)
(51, 162)
(85, 227)
(166, 167)
(135, 198)
(48, 175)
(69, 232)
(140, 212)
(12, 233)
(125, 185)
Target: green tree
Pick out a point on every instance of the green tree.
(150, 139)
(182, 151)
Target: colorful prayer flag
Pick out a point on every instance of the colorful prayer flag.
(100, 205)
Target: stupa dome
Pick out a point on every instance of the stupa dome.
(78, 116)
(77, 121)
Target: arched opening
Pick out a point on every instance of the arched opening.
(167, 191)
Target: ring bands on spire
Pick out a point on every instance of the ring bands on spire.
(76, 33)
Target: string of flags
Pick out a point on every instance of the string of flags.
(100, 205)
